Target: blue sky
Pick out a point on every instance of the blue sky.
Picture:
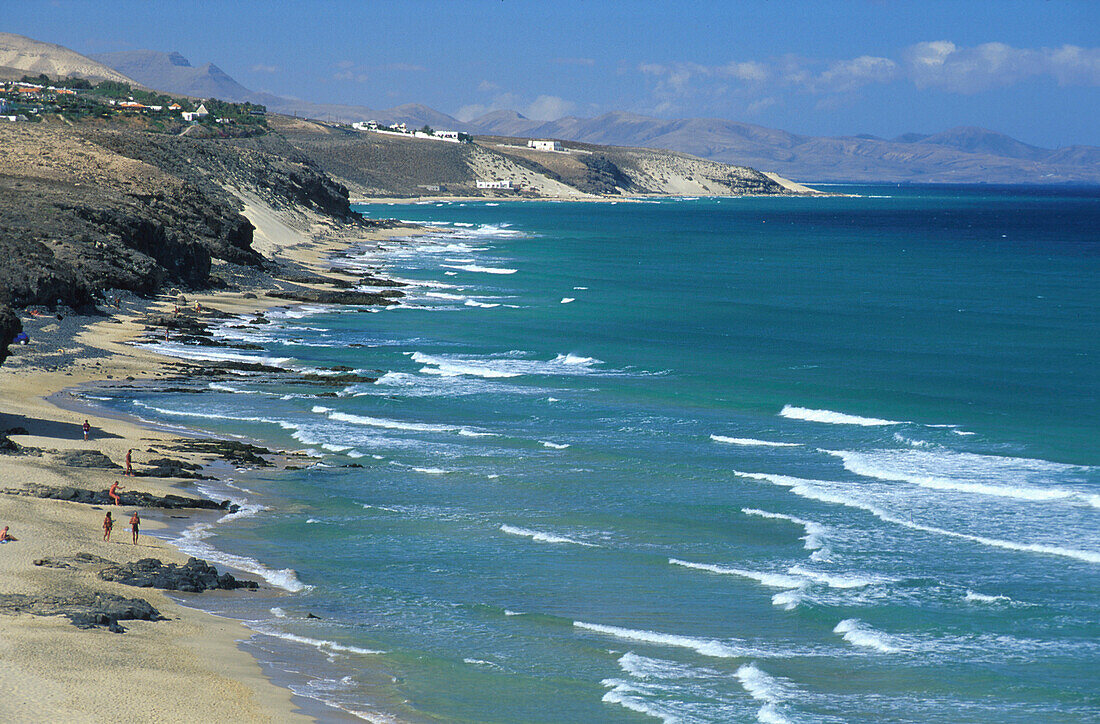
(1030, 69)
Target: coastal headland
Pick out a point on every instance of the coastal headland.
(112, 234)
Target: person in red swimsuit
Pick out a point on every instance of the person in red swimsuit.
(87, 429)
(135, 522)
(108, 524)
(113, 494)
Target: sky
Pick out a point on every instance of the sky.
(1030, 69)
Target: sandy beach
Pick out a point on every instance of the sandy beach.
(187, 666)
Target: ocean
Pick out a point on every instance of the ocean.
(692, 460)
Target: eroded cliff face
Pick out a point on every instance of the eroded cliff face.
(84, 210)
(9, 327)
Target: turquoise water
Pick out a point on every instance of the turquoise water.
(803, 460)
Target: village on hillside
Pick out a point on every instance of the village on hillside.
(33, 99)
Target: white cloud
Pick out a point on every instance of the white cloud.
(942, 64)
(261, 68)
(542, 108)
(750, 71)
(752, 86)
(351, 75)
(844, 76)
(549, 108)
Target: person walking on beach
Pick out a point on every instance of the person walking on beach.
(135, 523)
(113, 495)
(129, 467)
(108, 524)
(87, 428)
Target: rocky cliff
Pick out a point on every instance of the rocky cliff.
(85, 210)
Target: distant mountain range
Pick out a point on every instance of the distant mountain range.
(957, 155)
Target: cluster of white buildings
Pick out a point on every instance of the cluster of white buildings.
(540, 145)
(505, 185)
(401, 129)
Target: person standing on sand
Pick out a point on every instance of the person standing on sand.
(113, 495)
(135, 522)
(87, 428)
(108, 524)
(129, 467)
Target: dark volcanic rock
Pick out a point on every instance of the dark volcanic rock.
(195, 576)
(9, 327)
(238, 453)
(85, 610)
(130, 498)
(169, 468)
(86, 459)
(79, 560)
(338, 297)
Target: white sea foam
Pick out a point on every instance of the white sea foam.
(322, 644)
(832, 418)
(912, 442)
(764, 688)
(581, 288)
(387, 424)
(208, 354)
(479, 269)
(220, 387)
(748, 441)
(553, 445)
(833, 580)
(430, 471)
(277, 612)
(192, 542)
(285, 424)
(813, 540)
(860, 634)
(772, 580)
(789, 599)
(482, 305)
(964, 473)
(512, 365)
(567, 300)
(543, 537)
(706, 647)
(814, 490)
(575, 359)
(455, 367)
(480, 662)
(983, 598)
(626, 694)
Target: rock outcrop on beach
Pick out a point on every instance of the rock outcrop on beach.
(127, 497)
(84, 610)
(195, 576)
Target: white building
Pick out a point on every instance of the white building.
(503, 185)
(545, 145)
(201, 111)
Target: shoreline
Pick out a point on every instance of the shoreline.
(194, 662)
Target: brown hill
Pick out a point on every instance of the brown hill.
(34, 57)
